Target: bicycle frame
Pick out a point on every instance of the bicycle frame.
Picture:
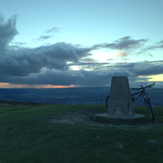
(140, 93)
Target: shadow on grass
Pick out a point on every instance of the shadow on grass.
(118, 121)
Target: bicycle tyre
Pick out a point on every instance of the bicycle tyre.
(107, 101)
(149, 107)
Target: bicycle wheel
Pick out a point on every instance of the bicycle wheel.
(149, 107)
(107, 101)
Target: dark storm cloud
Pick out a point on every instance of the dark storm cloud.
(82, 78)
(22, 62)
(122, 44)
(147, 68)
(143, 68)
(7, 32)
(89, 78)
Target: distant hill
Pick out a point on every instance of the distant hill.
(83, 95)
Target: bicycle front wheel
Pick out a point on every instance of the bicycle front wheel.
(149, 107)
(107, 101)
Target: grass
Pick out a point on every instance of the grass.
(27, 134)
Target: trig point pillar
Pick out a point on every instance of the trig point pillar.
(120, 103)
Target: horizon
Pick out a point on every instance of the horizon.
(78, 87)
(80, 43)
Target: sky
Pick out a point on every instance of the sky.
(80, 43)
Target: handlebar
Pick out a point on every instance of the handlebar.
(143, 87)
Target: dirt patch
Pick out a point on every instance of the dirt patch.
(78, 117)
(81, 117)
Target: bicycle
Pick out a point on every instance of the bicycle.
(146, 96)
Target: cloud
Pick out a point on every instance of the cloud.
(160, 42)
(121, 54)
(8, 85)
(158, 61)
(45, 37)
(124, 43)
(75, 73)
(158, 45)
(84, 78)
(51, 64)
(88, 60)
(23, 62)
(142, 65)
(89, 78)
(144, 68)
(17, 45)
(7, 32)
(127, 43)
(54, 29)
(58, 77)
(147, 68)
(91, 65)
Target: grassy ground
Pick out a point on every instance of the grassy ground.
(64, 133)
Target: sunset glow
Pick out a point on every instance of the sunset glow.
(156, 77)
(8, 85)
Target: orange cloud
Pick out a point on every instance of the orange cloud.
(121, 54)
(57, 86)
(8, 85)
(4, 84)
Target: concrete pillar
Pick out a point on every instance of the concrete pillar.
(120, 103)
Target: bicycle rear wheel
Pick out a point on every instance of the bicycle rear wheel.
(107, 101)
(149, 107)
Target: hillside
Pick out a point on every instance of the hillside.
(67, 133)
(91, 95)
